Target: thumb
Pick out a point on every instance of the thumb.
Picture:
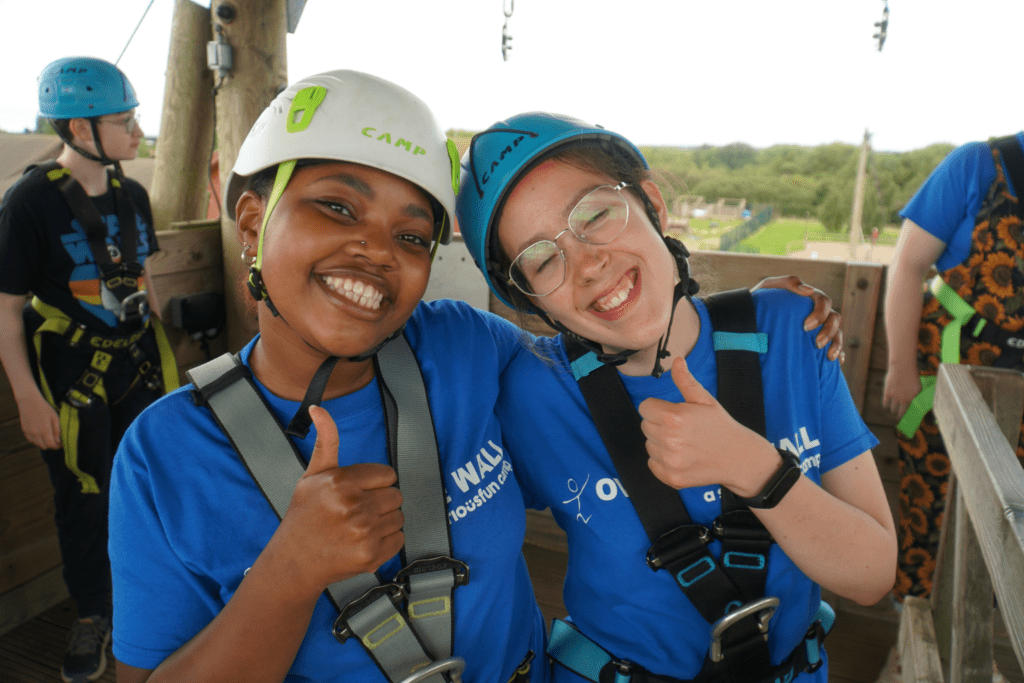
(689, 387)
(325, 450)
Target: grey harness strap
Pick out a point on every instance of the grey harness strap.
(401, 639)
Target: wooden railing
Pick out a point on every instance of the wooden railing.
(949, 638)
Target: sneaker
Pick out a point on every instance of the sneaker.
(86, 656)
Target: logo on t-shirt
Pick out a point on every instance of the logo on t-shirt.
(487, 471)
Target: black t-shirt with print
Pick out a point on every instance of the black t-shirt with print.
(44, 249)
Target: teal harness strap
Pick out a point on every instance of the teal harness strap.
(578, 653)
(962, 313)
(740, 341)
(575, 651)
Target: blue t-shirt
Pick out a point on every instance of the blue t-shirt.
(187, 520)
(949, 200)
(561, 463)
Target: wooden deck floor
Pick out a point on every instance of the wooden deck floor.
(858, 645)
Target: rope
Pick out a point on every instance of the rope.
(141, 19)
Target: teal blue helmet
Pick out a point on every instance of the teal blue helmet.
(84, 87)
(499, 158)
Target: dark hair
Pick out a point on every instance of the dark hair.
(62, 127)
(601, 159)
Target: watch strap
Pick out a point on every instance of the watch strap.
(778, 485)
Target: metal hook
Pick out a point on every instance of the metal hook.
(508, 7)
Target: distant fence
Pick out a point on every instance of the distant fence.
(742, 232)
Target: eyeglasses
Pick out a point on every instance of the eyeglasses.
(598, 218)
(130, 124)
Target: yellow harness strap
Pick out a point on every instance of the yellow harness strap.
(57, 322)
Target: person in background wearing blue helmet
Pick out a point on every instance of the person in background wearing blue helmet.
(341, 191)
(75, 234)
(698, 538)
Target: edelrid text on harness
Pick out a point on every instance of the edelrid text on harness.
(967, 320)
(405, 625)
(729, 593)
(90, 387)
(121, 290)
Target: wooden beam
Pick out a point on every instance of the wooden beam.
(32, 599)
(182, 169)
(989, 475)
(256, 30)
(970, 657)
(859, 305)
(919, 656)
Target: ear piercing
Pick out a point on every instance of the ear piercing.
(246, 248)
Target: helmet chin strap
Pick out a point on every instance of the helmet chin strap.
(685, 287)
(101, 157)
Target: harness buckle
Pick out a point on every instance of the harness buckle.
(393, 591)
(134, 307)
(453, 666)
(740, 525)
(78, 399)
(763, 608)
(675, 544)
(434, 564)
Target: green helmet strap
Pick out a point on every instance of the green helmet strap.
(284, 174)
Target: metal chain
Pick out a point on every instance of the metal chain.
(508, 6)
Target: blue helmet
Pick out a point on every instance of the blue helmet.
(495, 162)
(83, 87)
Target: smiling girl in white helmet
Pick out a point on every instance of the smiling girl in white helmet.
(341, 191)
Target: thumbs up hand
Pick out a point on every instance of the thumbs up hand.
(342, 521)
(697, 443)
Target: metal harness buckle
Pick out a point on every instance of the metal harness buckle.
(393, 591)
(763, 608)
(453, 666)
(434, 564)
(673, 544)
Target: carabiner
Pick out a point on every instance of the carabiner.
(453, 665)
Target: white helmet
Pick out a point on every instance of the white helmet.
(354, 117)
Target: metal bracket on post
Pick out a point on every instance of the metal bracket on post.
(219, 56)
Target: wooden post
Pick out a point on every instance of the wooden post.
(255, 29)
(970, 656)
(860, 303)
(919, 656)
(988, 475)
(181, 171)
(856, 231)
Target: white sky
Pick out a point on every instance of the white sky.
(672, 72)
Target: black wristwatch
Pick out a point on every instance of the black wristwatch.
(779, 485)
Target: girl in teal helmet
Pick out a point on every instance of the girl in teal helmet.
(698, 538)
(340, 193)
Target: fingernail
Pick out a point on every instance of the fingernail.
(820, 342)
(808, 326)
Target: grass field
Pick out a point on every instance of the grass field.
(780, 237)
